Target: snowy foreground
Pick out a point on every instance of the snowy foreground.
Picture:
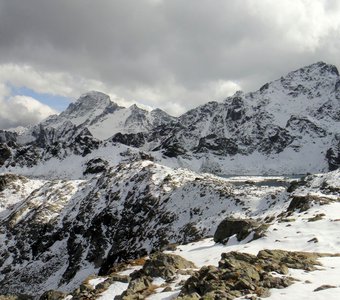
(314, 230)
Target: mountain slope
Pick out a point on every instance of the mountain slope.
(63, 231)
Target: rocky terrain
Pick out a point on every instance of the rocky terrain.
(103, 201)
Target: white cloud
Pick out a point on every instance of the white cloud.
(303, 24)
(20, 110)
(55, 83)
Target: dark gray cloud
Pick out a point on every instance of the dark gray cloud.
(169, 53)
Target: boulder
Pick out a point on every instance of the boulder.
(230, 226)
(165, 265)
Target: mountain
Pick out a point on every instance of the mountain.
(104, 118)
(88, 194)
(288, 126)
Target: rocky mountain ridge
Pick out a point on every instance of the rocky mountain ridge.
(288, 126)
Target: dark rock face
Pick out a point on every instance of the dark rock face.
(6, 179)
(303, 203)
(275, 140)
(5, 153)
(171, 148)
(7, 137)
(131, 139)
(96, 165)
(305, 126)
(216, 145)
(50, 143)
(230, 226)
(240, 274)
(333, 155)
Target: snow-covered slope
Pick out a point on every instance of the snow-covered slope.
(305, 228)
(63, 231)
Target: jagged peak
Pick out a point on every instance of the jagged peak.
(316, 69)
(135, 108)
(158, 111)
(86, 103)
(94, 97)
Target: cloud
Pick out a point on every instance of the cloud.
(21, 110)
(169, 54)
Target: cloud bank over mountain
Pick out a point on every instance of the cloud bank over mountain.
(169, 54)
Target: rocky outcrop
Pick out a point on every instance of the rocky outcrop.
(164, 265)
(303, 203)
(333, 154)
(240, 274)
(241, 227)
(96, 165)
(161, 265)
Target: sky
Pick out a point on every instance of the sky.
(170, 54)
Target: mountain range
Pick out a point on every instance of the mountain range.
(98, 186)
(288, 126)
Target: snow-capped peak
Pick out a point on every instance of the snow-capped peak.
(87, 106)
(317, 69)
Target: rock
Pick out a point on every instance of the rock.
(130, 139)
(158, 265)
(165, 265)
(5, 153)
(303, 203)
(216, 145)
(333, 154)
(96, 165)
(324, 287)
(137, 289)
(290, 259)
(139, 285)
(230, 226)
(16, 297)
(120, 278)
(193, 296)
(240, 274)
(52, 295)
(317, 217)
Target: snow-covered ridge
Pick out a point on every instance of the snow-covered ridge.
(139, 207)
